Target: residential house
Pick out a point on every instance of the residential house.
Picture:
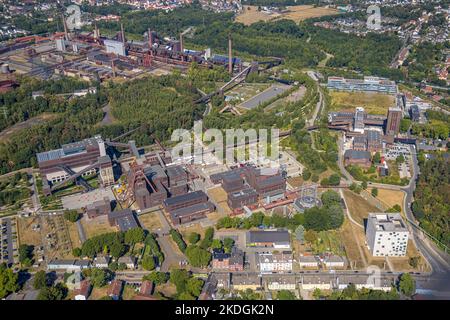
(333, 261)
(82, 293)
(315, 281)
(129, 261)
(244, 281)
(69, 265)
(233, 261)
(115, 289)
(274, 262)
(308, 262)
(102, 262)
(280, 283)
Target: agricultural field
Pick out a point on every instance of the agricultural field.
(373, 103)
(303, 12)
(250, 14)
(73, 232)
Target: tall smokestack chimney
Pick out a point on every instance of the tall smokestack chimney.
(113, 66)
(150, 38)
(95, 32)
(230, 56)
(66, 34)
(181, 42)
(122, 34)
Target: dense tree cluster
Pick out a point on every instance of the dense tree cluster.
(438, 126)
(112, 242)
(282, 38)
(160, 104)
(155, 249)
(422, 60)
(197, 256)
(9, 281)
(188, 287)
(432, 198)
(370, 54)
(178, 239)
(170, 23)
(26, 255)
(75, 120)
(329, 216)
(72, 215)
(351, 293)
(157, 277)
(21, 106)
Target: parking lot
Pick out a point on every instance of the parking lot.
(8, 240)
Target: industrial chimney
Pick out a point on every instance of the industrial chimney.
(230, 56)
(122, 33)
(150, 38)
(66, 34)
(181, 42)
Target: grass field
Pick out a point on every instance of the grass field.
(250, 14)
(26, 233)
(150, 221)
(373, 103)
(351, 247)
(186, 231)
(329, 241)
(96, 226)
(128, 292)
(390, 197)
(219, 196)
(73, 233)
(98, 293)
(166, 289)
(358, 207)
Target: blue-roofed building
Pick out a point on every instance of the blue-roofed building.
(56, 165)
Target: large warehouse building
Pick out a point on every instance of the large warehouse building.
(85, 156)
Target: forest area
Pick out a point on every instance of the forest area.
(75, 119)
(160, 104)
(432, 198)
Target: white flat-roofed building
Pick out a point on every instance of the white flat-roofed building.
(386, 235)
